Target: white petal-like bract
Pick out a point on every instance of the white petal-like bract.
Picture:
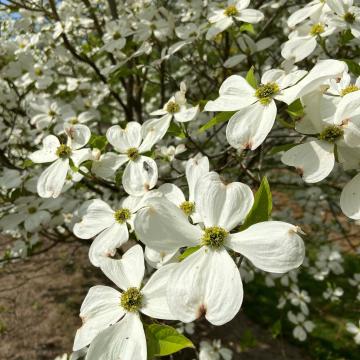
(221, 204)
(128, 271)
(314, 160)
(124, 340)
(164, 227)
(207, 283)
(52, 179)
(350, 198)
(99, 310)
(140, 176)
(272, 246)
(248, 128)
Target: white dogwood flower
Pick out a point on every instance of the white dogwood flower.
(208, 281)
(141, 172)
(317, 79)
(176, 108)
(110, 227)
(51, 181)
(115, 36)
(303, 41)
(313, 9)
(256, 108)
(345, 16)
(30, 211)
(315, 159)
(111, 318)
(236, 10)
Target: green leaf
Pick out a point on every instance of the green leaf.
(248, 28)
(176, 130)
(247, 340)
(284, 123)
(276, 329)
(164, 340)
(261, 210)
(296, 109)
(251, 79)
(27, 163)
(346, 36)
(218, 119)
(353, 66)
(98, 142)
(188, 252)
(279, 148)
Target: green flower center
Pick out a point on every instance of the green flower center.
(331, 134)
(317, 29)
(214, 237)
(349, 17)
(133, 153)
(121, 215)
(131, 299)
(38, 72)
(51, 113)
(74, 121)
(172, 107)
(188, 207)
(231, 10)
(265, 92)
(32, 210)
(349, 89)
(116, 36)
(63, 151)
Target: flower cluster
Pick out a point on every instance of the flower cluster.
(151, 128)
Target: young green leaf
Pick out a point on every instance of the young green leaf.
(248, 28)
(251, 79)
(218, 119)
(98, 142)
(296, 109)
(188, 252)
(175, 130)
(284, 123)
(164, 340)
(261, 210)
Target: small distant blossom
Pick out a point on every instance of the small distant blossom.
(186, 328)
(214, 351)
(141, 172)
(333, 293)
(355, 281)
(302, 326)
(329, 260)
(345, 16)
(235, 11)
(355, 330)
(176, 108)
(299, 298)
(169, 152)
